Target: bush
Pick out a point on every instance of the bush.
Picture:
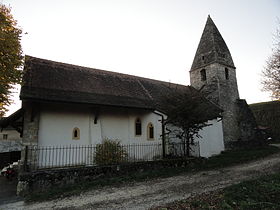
(110, 152)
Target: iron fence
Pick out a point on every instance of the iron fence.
(42, 157)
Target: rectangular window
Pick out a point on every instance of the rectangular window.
(203, 75)
(5, 136)
(138, 127)
(150, 130)
(226, 73)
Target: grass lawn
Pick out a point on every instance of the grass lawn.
(232, 157)
(225, 159)
(262, 193)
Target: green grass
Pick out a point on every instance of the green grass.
(225, 159)
(261, 193)
(232, 157)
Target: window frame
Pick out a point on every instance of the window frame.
(226, 74)
(136, 124)
(5, 136)
(203, 76)
(149, 127)
(74, 136)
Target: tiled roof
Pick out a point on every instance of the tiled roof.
(59, 82)
(6, 121)
(211, 48)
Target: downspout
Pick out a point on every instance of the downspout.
(162, 132)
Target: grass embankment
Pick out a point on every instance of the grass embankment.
(262, 193)
(225, 159)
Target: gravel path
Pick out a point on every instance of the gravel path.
(144, 195)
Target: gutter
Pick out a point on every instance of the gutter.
(163, 132)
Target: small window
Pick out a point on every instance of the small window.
(202, 57)
(226, 73)
(138, 127)
(203, 74)
(5, 136)
(76, 134)
(150, 131)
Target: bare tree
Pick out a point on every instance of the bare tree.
(188, 112)
(271, 72)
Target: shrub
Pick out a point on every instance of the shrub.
(110, 152)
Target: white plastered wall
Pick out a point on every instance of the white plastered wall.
(211, 141)
(57, 123)
(13, 135)
(121, 126)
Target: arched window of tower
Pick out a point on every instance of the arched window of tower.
(203, 75)
(226, 73)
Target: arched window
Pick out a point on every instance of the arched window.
(138, 127)
(226, 73)
(76, 134)
(203, 75)
(150, 131)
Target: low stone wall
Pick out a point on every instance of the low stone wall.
(43, 180)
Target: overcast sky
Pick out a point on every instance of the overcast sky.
(149, 38)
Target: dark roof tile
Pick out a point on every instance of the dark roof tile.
(59, 82)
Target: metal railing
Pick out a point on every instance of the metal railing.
(41, 157)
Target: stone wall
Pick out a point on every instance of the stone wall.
(30, 126)
(246, 121)
(31, 123)
(41, 181)
(10, 146)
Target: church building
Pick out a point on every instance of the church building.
(64, 104)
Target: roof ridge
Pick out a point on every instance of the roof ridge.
(213, 38)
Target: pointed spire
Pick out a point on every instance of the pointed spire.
(211, 48)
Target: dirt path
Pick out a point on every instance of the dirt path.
(144, 195)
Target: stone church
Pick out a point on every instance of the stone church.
(64, 104)
(214, 74)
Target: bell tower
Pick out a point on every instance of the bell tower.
(213, 73)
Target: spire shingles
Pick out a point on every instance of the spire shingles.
(212, 48)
